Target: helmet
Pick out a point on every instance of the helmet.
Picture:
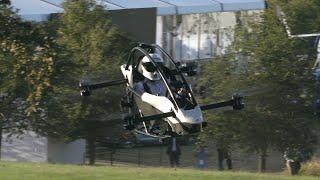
(147, 68)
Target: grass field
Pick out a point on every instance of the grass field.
(35, 171)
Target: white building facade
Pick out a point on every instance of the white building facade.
(30, 147)
(188, 29)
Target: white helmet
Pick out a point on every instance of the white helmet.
(147, 68)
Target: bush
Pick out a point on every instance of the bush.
(311, 168)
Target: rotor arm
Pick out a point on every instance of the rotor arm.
(236, 102)
(85, 87)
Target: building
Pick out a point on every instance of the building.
(31, 147)
(188, 29)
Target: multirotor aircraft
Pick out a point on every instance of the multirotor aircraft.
(176, 112)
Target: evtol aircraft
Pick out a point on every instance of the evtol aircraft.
(157, 114)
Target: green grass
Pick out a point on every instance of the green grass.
(34, 171)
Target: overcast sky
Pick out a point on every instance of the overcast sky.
(34, 7)
(30, 7)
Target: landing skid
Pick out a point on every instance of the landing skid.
(152, 135)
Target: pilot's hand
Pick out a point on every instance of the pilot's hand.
(182, 92)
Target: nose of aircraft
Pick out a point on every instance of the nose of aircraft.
(192, 116)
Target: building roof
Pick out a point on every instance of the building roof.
(164, 7)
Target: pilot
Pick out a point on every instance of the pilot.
(152, 83)
(153, 89)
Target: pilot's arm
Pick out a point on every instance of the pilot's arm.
(157, 88)
(160, 102)
(138, 87)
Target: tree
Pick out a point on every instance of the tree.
(287, 103)
(96, 49)
(220, 80)
(303, 16)
(26, 63)
(278, 109)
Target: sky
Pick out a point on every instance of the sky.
(31, 7)
(28, 7)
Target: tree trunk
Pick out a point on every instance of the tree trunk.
(229, 163)
(220, 159)
(0, 139)
(91, 149)
(262, 161)
(1, 130)
(223, 154)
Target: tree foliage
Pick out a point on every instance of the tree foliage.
(279, 88)
(26, 66)
(93, 47)
(303, 16)
(95, 50)
(42, 63)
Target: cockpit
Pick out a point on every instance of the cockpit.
(178, 89)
